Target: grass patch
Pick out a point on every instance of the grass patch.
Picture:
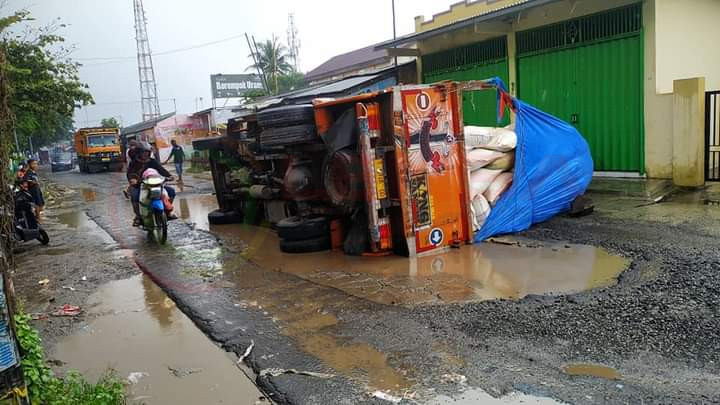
(46, 388)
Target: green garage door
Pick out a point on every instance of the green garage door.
(478, 61)
(588, 72)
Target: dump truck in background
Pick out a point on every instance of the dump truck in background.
(98, 149)
(387, 172)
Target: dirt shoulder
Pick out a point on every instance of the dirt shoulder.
(79, 259)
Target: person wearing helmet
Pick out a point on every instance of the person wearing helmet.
(143, 161)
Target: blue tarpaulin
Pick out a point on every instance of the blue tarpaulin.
(552, 167)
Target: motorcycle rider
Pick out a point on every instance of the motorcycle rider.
(143, 160)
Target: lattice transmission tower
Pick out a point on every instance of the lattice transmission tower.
(146, 73)
(293, 42)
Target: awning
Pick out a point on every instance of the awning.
(509, 9)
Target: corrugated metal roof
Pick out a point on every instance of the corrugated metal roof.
(336, 87)
(141, 126)
(343, 62)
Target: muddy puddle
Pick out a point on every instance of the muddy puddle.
(133, 327)
(475, 272)
(591, 370)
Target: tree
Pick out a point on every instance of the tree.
(272, 60)
(44, 84)
(291, 81)
(109, 123)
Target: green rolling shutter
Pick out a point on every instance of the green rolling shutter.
(477, 61)
(588, 71)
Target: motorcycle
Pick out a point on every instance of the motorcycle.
(153, 200)
(25, 224)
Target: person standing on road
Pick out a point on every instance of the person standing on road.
(33, 180)
(178, 155)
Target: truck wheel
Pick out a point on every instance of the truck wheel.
(342, 178)
(288, 135)
(297, 228)
(305, 245)
(286, 116)
(218, 217)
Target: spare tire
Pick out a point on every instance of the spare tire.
(286, 116)
(298, 228)
(219, 217)
(280, 136)
(305, 245)
(342, 178)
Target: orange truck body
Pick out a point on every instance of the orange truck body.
(414, 167)
(98, 149)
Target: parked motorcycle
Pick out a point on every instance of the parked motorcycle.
(25, 225)
(153, 205)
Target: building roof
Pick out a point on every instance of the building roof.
(515, 7)
(346, 61)
(141, 126)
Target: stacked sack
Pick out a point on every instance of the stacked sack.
(491, 159)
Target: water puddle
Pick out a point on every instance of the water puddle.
(475, 272)
(591, 370)
(476, 396)
(195, 209)
(89, 195)
(302, 310)
(133, 327)
(77, 220)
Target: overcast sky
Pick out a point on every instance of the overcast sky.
(105, 29)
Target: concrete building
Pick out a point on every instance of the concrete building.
(613, 68)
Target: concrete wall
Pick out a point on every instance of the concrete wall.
(689, 132)
(687, 34)
(658, 107)
(459, 11)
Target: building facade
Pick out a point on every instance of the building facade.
(608, 67)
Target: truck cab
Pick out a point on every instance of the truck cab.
(98, 149)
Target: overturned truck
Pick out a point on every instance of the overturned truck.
(393, 171)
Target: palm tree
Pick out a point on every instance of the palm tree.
(272, 61)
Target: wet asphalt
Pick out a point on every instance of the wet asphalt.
(312, 343)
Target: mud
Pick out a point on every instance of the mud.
(655, 323)
(133, 327)
(472, 273)
(591, 370)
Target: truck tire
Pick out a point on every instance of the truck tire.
(297, 228)
(218, 217)
(342, 178)
(304, 133)
(305, 245)
(286, 116)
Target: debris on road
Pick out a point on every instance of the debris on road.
(387, 397)
(454, 378)
(136, 376)
(247, 352)
(67, 310)
(274, 372)
(44, 282)
(38, 316)
(183, 372)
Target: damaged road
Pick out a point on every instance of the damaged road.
(545, 319)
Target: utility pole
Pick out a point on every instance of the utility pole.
(260, 71)
(394, 34)
(146, 73)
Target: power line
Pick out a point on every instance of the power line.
(168, 52)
